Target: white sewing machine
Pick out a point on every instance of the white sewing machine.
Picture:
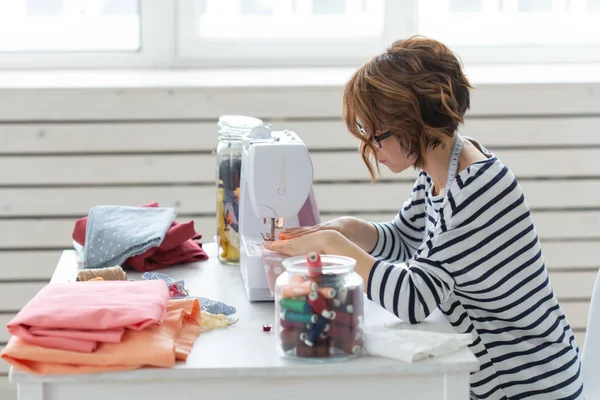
(276, 193)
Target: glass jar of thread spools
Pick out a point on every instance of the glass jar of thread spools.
(229, 167)
(319, 308)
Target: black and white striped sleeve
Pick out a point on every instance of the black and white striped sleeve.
(413, 289)
(399, 239)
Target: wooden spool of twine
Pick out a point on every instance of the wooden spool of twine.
(107, 274)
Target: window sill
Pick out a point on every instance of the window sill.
(276, 77)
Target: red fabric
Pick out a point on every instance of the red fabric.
(179, 246)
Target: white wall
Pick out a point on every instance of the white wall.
(71, 140)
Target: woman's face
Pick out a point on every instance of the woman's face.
(389, 151)
(391, 154)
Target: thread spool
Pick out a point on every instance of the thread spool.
(293, 326)
(315, 331)
(298, 290)
(340, 317)
(108, 274)
(328, 293)
(319, 305)
(351, 347)
(320, 349)
(314, 264)
(293, 316)
(295, 304)
(289, 338)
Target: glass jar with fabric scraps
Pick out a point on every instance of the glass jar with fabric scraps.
(229, 167)
(319, 308)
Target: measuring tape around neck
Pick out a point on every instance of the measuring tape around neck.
(454, 161)
(452, 169)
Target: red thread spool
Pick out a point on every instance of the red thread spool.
(351, 346)
(293, 325)
(319, 305)
(320, 349)
(289, 338)
(314, 264)
(342, 333)
(343, 318)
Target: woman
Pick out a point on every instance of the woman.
(463, 242)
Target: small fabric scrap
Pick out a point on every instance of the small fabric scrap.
(215, 307)
(116, 233)
(273, 262)
(177, 290)
(412, 345)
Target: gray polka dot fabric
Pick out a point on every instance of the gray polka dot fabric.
(116, 233)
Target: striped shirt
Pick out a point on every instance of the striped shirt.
(476, 256)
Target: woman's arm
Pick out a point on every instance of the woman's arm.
(398, 240)
(395, 240)
(326, 242)
(410, 290)
(360, 232)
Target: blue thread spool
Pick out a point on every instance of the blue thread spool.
(314, 332)
(293, 316)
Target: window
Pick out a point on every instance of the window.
(69, 26)
(515, 30)
(300, 31)
(189, 33)
(289, 19)
(41, 34)
(511, 22)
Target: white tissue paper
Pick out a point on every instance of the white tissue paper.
(412, 345)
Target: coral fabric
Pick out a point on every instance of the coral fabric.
(180, 246)
(78, 316)
(153, 346)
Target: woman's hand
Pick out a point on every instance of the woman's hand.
(325, 242)
(336, 224)
(358, 231)
(317, 241)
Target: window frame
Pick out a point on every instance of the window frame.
(167, 43)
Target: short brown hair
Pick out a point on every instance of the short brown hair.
(416, 89)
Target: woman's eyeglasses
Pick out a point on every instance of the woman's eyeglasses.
(378, 139)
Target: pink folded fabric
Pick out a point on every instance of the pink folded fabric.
(77, 316)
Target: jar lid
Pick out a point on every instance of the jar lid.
(239, 122)
(332, 264)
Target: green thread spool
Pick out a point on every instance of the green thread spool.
(294, 316)
(298, 305)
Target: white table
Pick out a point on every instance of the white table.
(241, 362)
